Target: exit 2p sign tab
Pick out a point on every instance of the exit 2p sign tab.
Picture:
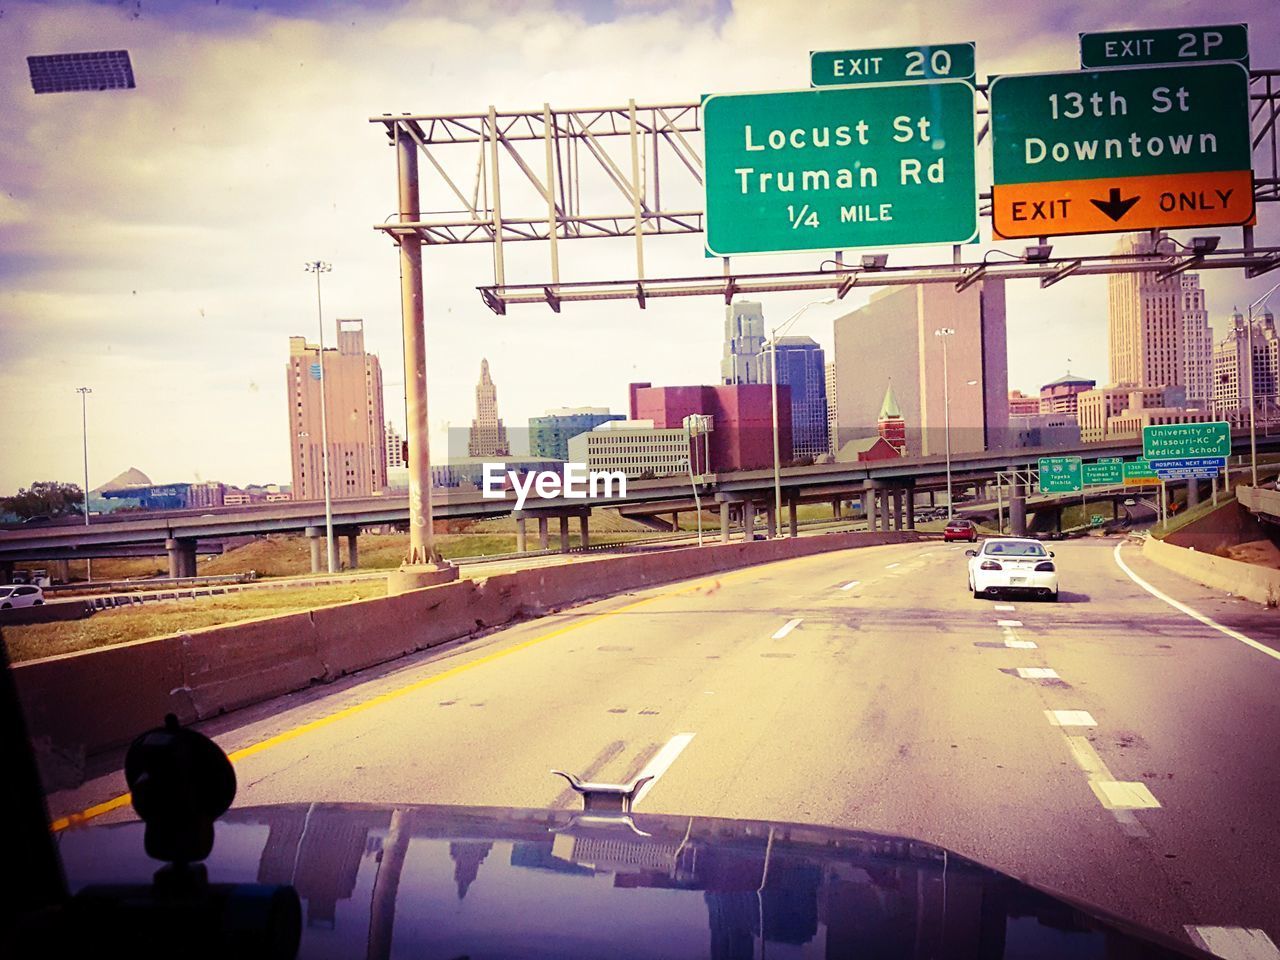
(1106, 151)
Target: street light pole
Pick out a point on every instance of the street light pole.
(318, 267)
(1253, 428)
(773, 381)
(942, 333)
(84, 428)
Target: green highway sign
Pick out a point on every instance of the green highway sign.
(947, 61)
(1104, 473)
(1060, 475)
(1140, 148)
(834, 168)
(1139, 473)
(1129, 48)
(1179, 440)
(1097, 520)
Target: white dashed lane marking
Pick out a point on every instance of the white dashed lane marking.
(1071, 718)
(1008, 623)
(851, 584)
(1234, 943)
(890, 566)
(1037, 673)
(1004, 608)
(661, 762)
(787, 628)
(1118, 796)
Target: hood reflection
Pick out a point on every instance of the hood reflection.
(450, 882)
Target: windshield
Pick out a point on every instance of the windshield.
(326, 440)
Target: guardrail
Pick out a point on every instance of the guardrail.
(149, 583)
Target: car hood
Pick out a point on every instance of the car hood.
(431, 881)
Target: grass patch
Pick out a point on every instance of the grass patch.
(123, 624)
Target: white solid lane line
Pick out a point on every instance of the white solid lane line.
(851, 584)
(661, 762)
(1037, 673)
(1008, 623)
(1234, 943)
(787, 628)
(1178, 605)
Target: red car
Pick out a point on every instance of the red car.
(960, 530)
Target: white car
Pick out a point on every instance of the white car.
(1012, 565)
(20, 595)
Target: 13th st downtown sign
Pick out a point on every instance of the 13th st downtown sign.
(836, 168)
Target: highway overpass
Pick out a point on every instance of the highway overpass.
(888, 487)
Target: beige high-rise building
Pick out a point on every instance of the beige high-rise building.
(1145, 324)
(832, 417)
(353, 394)
(488, 436)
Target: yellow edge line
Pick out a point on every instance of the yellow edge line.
(284, 737)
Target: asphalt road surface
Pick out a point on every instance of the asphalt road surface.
(865, 689)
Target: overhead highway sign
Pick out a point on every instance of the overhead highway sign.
(1129, 48)
(1143, 148)
(835, 168)
(947, 61)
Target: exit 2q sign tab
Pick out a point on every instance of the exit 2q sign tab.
(1130, 149)
(834, 168)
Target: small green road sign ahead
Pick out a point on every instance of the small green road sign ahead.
(1104, 473)
(1140, 148)
(1097, 520)
(1139, 473)
(1178, 440)
(946, 61)
(835, 168)
(1131, 48)
(1060, 475)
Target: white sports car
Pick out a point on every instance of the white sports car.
(1012, 565)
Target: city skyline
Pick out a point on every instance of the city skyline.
(164, 292)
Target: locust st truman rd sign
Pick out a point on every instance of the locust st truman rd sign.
(947, 61)
(1178, 440)
(834, 168)
(1060, 475)
(1104, 473)
(1143, 148)
(1129, 48)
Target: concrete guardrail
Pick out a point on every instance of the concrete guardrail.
(82, 703)
(1248, 580)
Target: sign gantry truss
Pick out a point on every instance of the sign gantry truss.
(637, 171)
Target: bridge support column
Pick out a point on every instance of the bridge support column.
(748, 520)
(182, 557)
(564, 534)
(770, 521)
(521, 542)
(933, 499)
(897, 509)
(675, 521)
(353, 550)
(793, 522)
(542, 533)
(869, 504)
(884, 510)
(6, 571)
(726, 529)
(1018, 510)
(61, 571)
(836, 509)
(1115, 509)
(1193, 493)
(583, 529)
(315, 539)
(911, 509)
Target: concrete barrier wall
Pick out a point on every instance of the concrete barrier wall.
(1218, 529)
(1260, 584)
(82, 703)
(46, 613)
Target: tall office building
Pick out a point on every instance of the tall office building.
(743, 341)
(549, 434)
(1231, 370)
(1062, 396)
(1144, 324)
(830, 371)
(396, 459)
(488, 437)
(1197, 343)
(355, 422)
(892, 338)
(802, 367)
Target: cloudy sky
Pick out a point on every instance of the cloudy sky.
(152, 241)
